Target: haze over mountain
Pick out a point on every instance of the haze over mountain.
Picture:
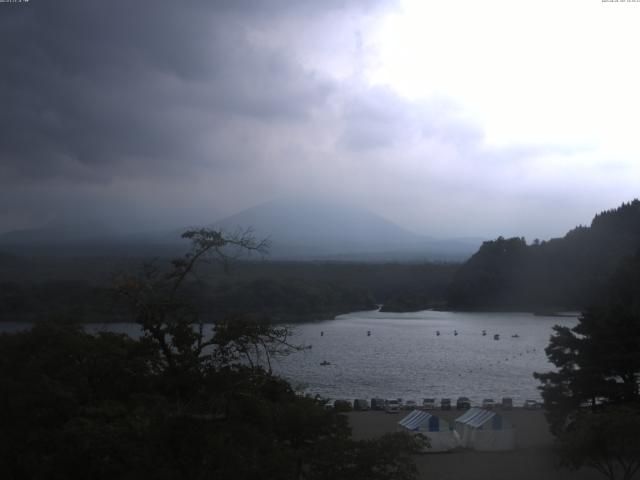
(307, 227)
(298, 228)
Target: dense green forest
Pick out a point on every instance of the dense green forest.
(284, 291)
(566, 273)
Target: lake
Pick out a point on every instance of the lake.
(404, 357)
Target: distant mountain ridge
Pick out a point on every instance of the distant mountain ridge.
(299, 229)
(309, 228)
(563, 273)
(307, 222)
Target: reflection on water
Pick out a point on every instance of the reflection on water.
(405, 357)
(375, 354)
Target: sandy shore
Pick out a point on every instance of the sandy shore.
(532, 459)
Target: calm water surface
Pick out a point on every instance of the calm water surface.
(404, 357)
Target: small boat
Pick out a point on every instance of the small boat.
(455, 332)
(322, 334)
(515, 336)
(437, 333)
(324, 363)
(496, 337)
(484, 333)
(368, 333)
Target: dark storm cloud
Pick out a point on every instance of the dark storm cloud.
(93, 89)
(158, 113)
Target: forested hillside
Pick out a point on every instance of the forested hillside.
(564, 273)
(283, 291)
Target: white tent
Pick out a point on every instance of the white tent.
(440, 436)
(485, 430)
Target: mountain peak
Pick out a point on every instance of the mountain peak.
(324, 224)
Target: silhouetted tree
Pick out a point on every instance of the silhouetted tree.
(177, 403)
(157, 301)
(592, 400)
(598, 360)
(607, 440)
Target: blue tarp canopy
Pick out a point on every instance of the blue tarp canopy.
(419, 420)
(439, 435)
(477, 417)
(485, 430)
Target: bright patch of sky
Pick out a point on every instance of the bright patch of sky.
(561, 72)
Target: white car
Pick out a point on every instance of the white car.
(392, 406)
(429, 403)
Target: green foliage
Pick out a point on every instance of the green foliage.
(607, 440)
(411, 301)
(486, 280)
(30, 300)
(592, 400)
(598, 360)
(179, 403)
(566, 273)
(287, 291)
(69, 397)
(288, 298)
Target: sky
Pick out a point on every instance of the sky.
(466, 118)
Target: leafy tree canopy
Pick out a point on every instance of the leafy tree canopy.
(178, 403)
(598, 361)
(592, 399)
(563, 273)
(607, 440)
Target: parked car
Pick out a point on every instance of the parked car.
(392, 406)
(330, 405)
(445, 404)
(429, 403)
(463, 403)
(531, 404)
(410, 405)
(488, 403)
(507, 403)
(377, 404)
(361, 404)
